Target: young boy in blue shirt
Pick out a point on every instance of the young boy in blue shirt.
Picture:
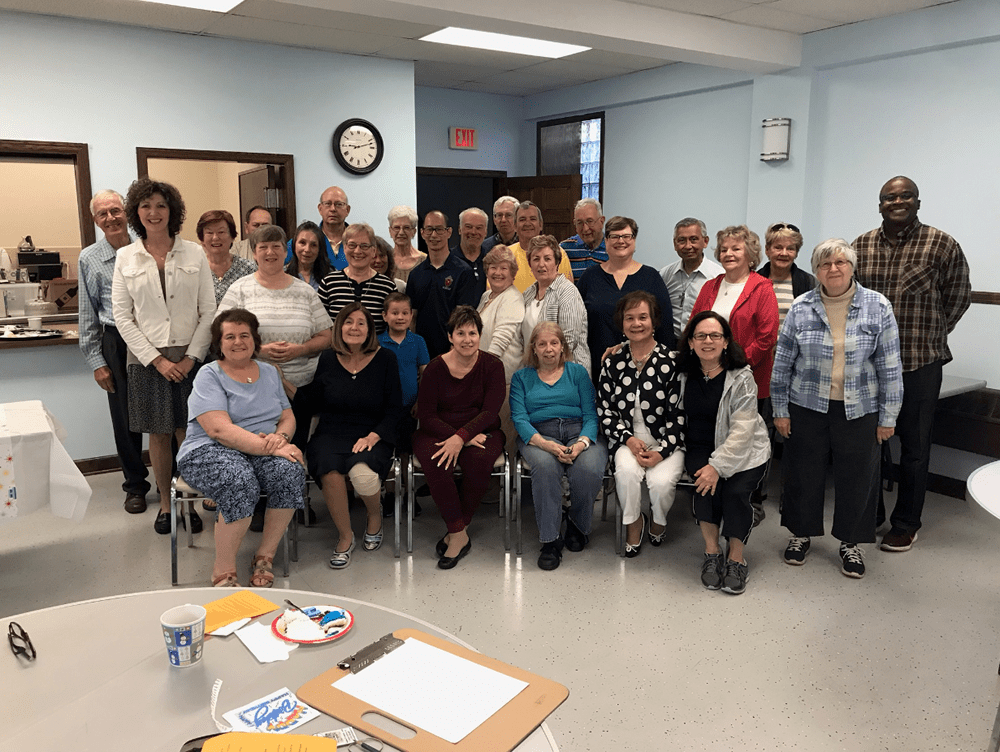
(412, 356)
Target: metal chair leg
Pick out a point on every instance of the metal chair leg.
(398, 493)
(173, 531)
(411, 496)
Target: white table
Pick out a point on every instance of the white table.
(101, 680)
(35, 469)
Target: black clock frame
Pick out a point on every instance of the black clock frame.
(379, 146)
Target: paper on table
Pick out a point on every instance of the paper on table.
(265, 647)
(229, 628)
(277, 713)
(239, 605)
(432, 689)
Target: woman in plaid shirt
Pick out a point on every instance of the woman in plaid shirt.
(837, 385)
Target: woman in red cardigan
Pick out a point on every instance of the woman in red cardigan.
(458, 406)
(746, 300)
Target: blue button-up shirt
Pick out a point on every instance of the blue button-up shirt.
(873, 373)
(95, 268)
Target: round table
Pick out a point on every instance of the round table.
(102, 681)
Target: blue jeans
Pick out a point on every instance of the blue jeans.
(585, 477)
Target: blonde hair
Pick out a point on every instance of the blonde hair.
(530, 358)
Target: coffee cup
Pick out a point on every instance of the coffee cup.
(184, 632)
(34, 323)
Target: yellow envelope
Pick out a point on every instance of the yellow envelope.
(242, 604)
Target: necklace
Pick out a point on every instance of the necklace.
(640, 362)
(708, 374)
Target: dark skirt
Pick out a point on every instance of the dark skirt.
(328, 454)
(156, 405)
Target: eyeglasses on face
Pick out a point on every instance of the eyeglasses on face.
(702, 336)
(352, 246)
(503, 215)
(891, 198)
(20, 643)
(785, 226)
(116, 212)
(338, 205)
(435, 230)
(839, 263)
(590, 222)
(626, 236)
(401, 228)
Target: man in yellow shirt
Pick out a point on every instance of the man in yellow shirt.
(528, 218)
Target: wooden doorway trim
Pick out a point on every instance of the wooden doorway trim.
(286, 161)
(81, 161)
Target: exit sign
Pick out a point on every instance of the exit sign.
(462, 138)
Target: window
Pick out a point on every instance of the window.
(573, 145)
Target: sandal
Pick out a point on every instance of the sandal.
(372, 541)
(227, 579)
(209, 505)
(341, 559)
(262, 576)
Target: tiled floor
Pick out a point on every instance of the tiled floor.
(808, 659)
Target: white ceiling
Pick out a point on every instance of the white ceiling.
(626, 35)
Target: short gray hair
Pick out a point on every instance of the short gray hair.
(404, 212)
(501, 254)
(528, 205)
(107, 193)
(588, 202)
(472, 210)
(505, 200)
(687, 222)
(828, 249)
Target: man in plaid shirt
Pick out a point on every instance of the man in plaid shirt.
(924, 274)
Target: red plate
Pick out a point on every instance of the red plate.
(278, 627)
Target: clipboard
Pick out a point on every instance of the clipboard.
(501, 732)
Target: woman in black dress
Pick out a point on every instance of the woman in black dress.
(357, 395)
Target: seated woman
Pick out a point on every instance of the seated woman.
(308, 263)
(357, 395)
(552, 406)
(639, 406)
(839, 383)
(237, 446)
(458, 406)
(554, 298)
(726, 441)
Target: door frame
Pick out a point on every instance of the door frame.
(286, 192)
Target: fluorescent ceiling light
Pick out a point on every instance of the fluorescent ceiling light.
(487, 40)
(219, 6)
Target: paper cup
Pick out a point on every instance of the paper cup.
(34, 323)
(184, 633)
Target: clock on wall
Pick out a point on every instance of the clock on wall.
(358, 146)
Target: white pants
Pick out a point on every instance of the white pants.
(661, 481)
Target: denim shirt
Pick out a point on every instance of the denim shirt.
(803, 363)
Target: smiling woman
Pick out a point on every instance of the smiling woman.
(358, 282)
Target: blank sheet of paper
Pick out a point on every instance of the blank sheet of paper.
(432, 689)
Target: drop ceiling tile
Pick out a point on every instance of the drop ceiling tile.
(631, 63)
(427, 70)
(298, 35)
(151, 15)
(765, 16)
(446, 53)
(698, 7)
(331, 19)
(849, 11)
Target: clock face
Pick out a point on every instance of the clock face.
(357, 145)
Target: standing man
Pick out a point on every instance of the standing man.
(258, 216)
(438, 285)
(471, 236)
(503, 219)
(333, 211)
(528, 218)
(924, 274)
(586, 248)
(685, 277)
(103, 347)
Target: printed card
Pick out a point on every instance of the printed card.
(277, 713)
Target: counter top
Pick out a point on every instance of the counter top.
(70, 337)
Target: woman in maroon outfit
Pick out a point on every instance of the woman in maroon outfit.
(458, 406)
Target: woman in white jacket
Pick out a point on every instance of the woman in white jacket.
(163, 302)
(727, 445)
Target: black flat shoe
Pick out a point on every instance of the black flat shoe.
(449, 562)
(196, 524)
(162, 523)
(441, 547)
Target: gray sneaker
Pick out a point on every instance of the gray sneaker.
(734, 581)
(711, 571)
(853, 561)
(796, 550)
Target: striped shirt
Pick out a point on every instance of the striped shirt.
(783, 292)
(337, 290)
(803, 362)
(582, 256)
(924, 274)
(96, 269)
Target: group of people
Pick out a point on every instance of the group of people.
(335, 350)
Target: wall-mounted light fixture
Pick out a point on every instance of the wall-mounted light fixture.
(774, 144)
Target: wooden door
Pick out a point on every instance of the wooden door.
(556, 195)
(260, 187)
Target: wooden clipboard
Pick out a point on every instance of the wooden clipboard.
(502, 732)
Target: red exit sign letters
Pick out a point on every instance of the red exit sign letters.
(462, 138)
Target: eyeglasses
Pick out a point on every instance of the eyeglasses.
(621, 236)
(401, 228)
(338, 205)
(20, 643)
(435, 230)
(592, 222)
(702, 336)
(839, 263)
(352, 246)
(115, 213)
(503, 215)
(890, 198)
(785, 226)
